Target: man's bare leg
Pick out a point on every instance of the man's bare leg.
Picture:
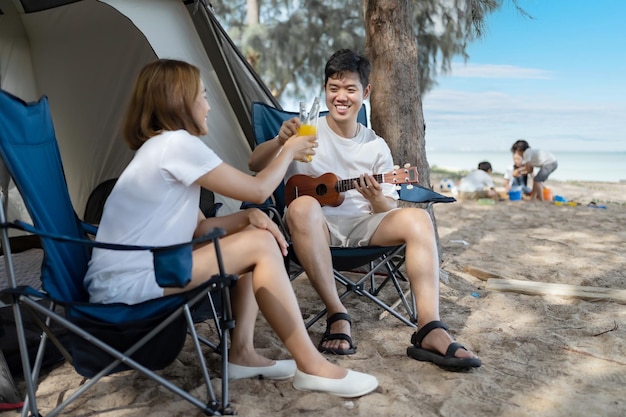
(310, 238)
(414, 227)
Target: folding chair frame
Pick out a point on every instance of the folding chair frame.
(21, 299)
(366, 286)
(389, 259)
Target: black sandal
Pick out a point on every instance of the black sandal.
(337, 336)
(449, 362)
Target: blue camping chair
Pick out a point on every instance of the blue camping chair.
(104, 338)
(376, 266)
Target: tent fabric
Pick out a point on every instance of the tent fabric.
(85, 55)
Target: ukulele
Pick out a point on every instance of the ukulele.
(328, 188)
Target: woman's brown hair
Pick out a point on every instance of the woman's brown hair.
(162, 99)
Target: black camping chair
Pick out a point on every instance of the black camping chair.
(104, 338)
(382, 265)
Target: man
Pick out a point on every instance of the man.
(368, 215)
(478, 183)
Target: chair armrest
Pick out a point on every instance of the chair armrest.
(88, 228)
(267, 204)
(269, 208)
(419, 194)
(172, 263)
(212, 234)
(212, 212)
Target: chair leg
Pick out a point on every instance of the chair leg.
(393, 274)
(30, 402)
(227, 324)
(208, 408)
(224, 323)
(213, 403)
(48, 334)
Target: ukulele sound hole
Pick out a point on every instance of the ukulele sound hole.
(321, 189)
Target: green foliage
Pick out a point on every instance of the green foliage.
(455, 175)
(293, 38)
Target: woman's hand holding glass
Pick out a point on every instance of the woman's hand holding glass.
(303, 145)
(308, 120)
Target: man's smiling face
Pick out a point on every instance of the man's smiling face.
(344, 96)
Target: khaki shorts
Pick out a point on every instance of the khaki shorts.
(353, 232)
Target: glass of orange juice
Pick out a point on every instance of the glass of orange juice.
(308, 120)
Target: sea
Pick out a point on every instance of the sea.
(573, 166)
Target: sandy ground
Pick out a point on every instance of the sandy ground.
(543, 355)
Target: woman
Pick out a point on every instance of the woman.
(155, 202)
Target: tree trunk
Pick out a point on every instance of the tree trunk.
(396, 105)
(252, 12)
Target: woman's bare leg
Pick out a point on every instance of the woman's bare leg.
(245, 311)
(256, 251)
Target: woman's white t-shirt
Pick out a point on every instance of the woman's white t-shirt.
(366, 153)
(154, 202)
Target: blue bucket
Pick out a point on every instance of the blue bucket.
(515, 195)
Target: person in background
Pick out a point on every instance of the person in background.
(516, 176)
(155, 202)
(478, 184)
(535, 158)
(368, 216)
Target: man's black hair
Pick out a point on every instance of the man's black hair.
(346, 60)
(485, 166)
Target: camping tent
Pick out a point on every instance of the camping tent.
(84, 55)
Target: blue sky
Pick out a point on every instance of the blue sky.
(557, 80)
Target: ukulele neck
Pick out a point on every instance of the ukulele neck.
(346, 185)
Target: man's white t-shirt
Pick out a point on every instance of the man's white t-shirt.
(476, 181)
(537, 157)
(366, 153)
(154, 202)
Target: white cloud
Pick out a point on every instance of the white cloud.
(492, 120)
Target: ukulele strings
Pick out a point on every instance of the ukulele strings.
(346, 185)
